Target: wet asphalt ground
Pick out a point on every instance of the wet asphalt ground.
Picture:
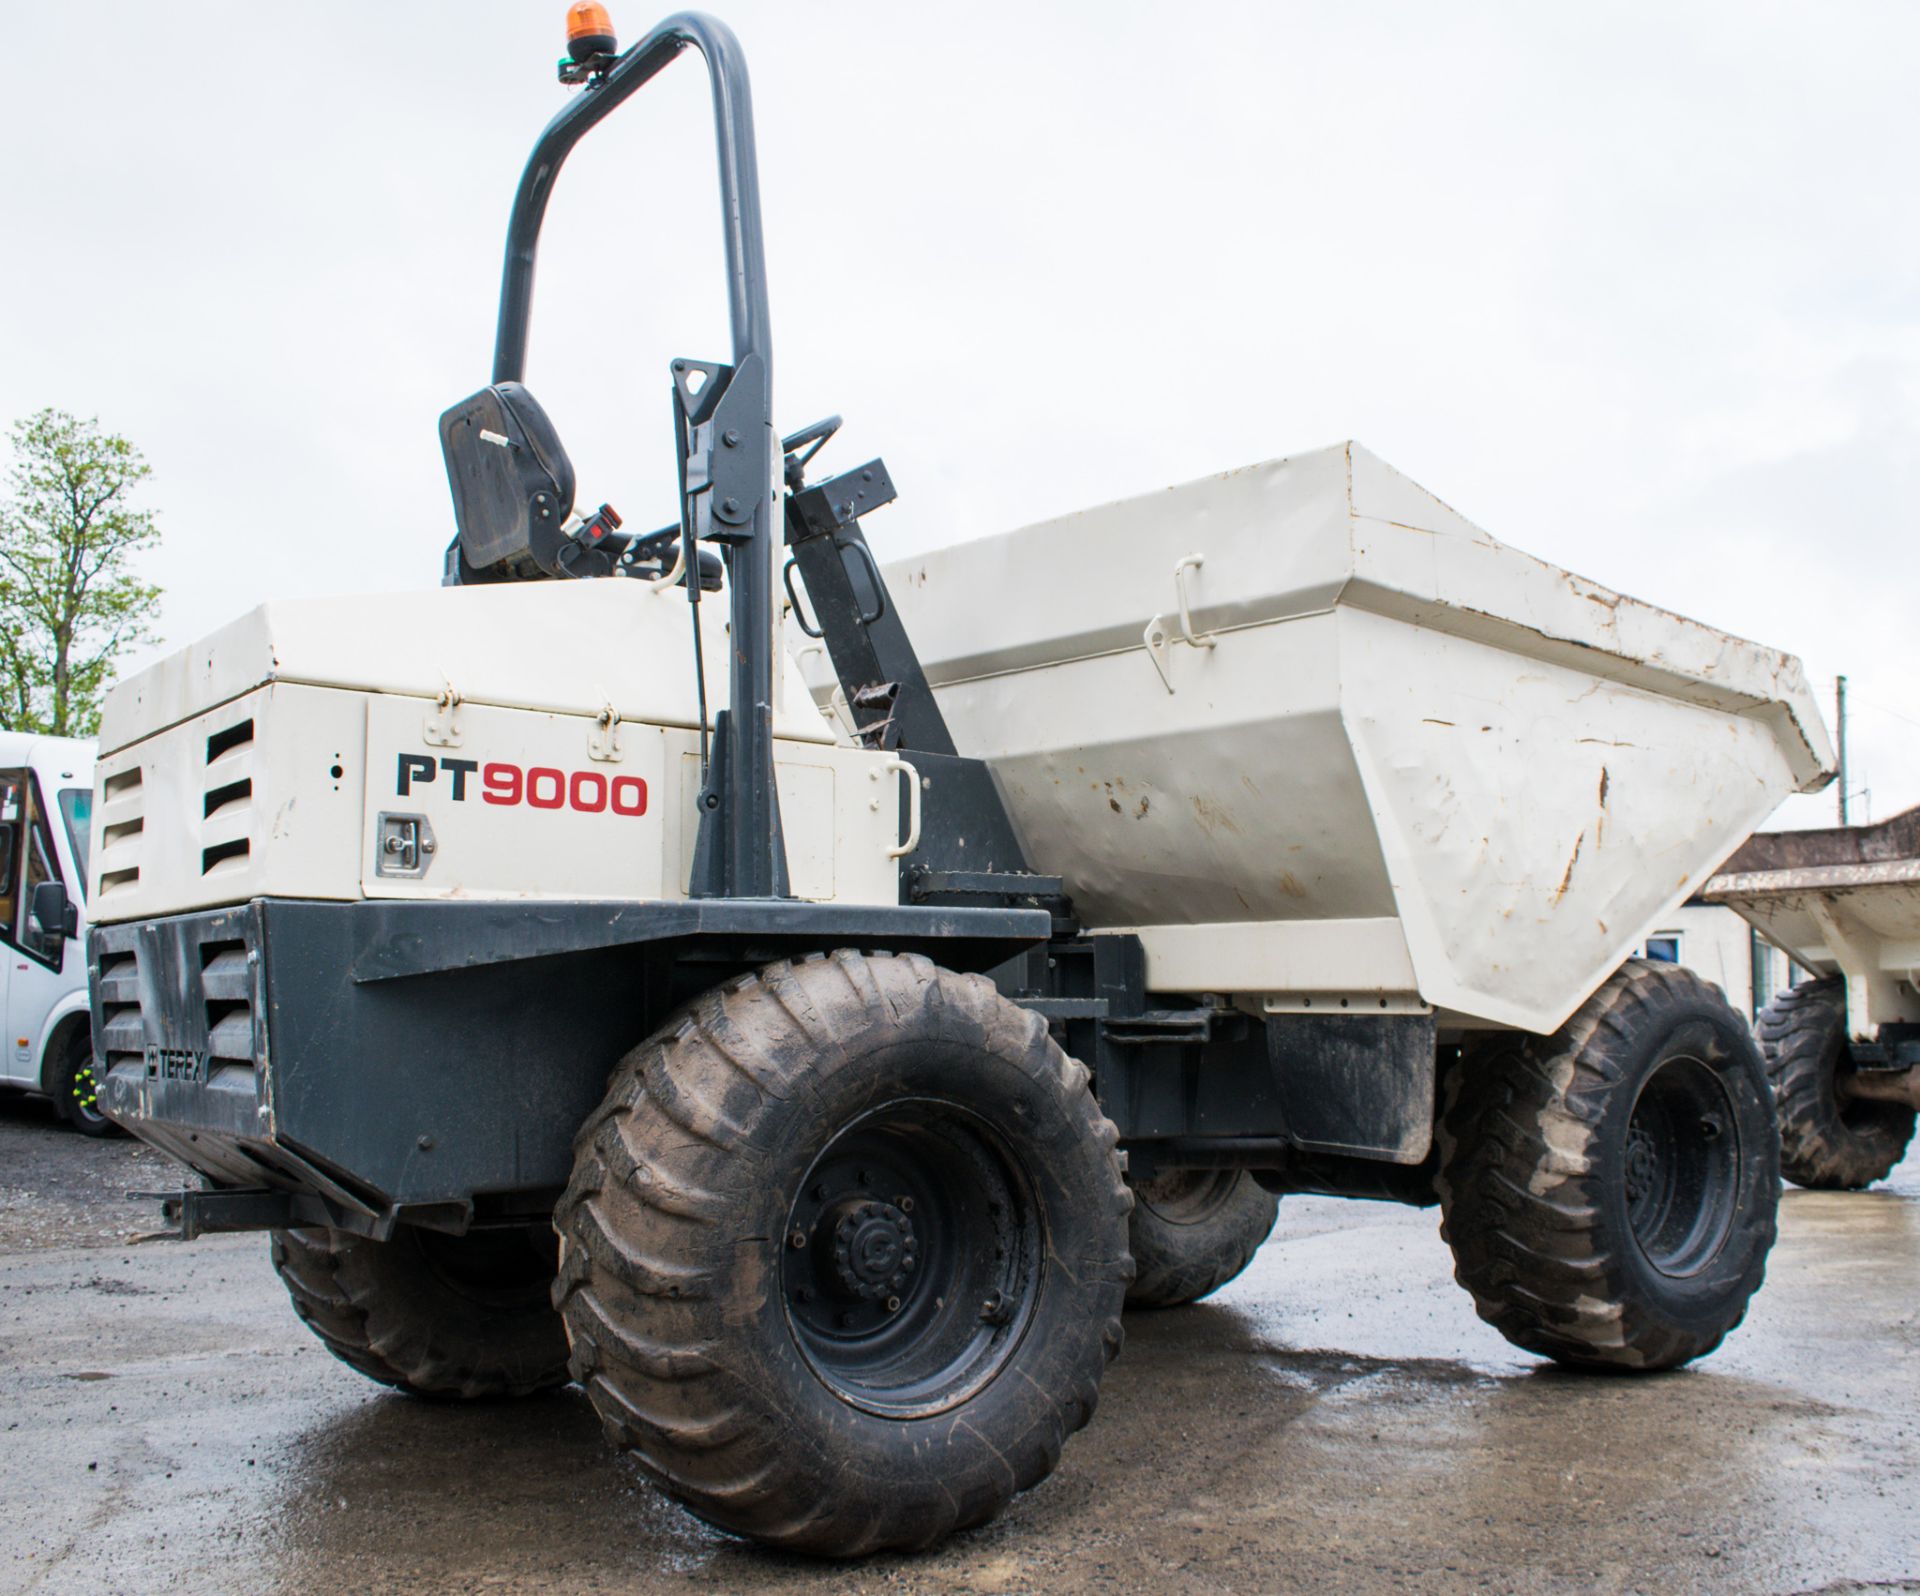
(1336, 1420)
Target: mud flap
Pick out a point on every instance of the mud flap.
(1356, 1084)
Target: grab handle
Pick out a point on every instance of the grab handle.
(898, 766)
(1194, 562)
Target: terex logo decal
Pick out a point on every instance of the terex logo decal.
(591, 792)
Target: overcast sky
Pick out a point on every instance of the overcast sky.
(1636, 288)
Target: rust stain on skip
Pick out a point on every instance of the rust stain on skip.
(1212, 817)
(1566, 880)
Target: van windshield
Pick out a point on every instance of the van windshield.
(76, 805)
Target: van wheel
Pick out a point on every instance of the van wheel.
(1610, 1191)
(843, 1254)
(428, 1313)
(76, 1091)
(1192, 1231)
(1829, 1141)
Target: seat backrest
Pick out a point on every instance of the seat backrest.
(511, 480)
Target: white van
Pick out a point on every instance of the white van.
(46, 817)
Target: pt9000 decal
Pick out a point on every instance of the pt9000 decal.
(539, 786)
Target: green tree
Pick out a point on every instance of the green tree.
(70, 604)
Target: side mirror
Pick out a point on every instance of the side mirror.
(53, 913)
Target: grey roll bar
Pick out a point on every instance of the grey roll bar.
(745, 824)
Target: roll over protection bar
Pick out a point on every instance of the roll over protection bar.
(740, 818)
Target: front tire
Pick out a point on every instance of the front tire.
(843, 1254)
(431, 1314)
(1610, 1191)
(1828, 1142)
(1193, 1230)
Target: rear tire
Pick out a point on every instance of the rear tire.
(1192, 1231)
(1610, 1191)
(431, 1314)
(843, 1254)
(76, 1091)
(1827, 1143)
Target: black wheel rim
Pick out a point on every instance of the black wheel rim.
(911, 1263)
(1682, 1166)
(1187, 1196)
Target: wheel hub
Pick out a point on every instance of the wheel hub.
(1681, 1166)
(912, 1258)
(874, 1250)
(1642, 1164)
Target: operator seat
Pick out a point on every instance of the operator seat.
(512, 485)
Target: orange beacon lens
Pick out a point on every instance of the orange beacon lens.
(589, 32)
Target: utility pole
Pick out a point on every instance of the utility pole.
(1840, 719)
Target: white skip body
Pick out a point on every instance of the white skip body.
(1320, 742)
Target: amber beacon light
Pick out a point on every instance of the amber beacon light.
(589, 32)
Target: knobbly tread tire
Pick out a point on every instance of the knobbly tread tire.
(379, 1310)
(1531, 1178)
(671, 1229)
(1175, 1264)
(1825, 1145)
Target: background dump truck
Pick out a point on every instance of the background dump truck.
(1843, 1049)
(572, 998)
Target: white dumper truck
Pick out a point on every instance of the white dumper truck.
(572, 999)
(1843, 1048)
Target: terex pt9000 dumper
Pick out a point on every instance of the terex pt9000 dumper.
(572, 998)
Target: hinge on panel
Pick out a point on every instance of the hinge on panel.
(603, 740)
(442, 728)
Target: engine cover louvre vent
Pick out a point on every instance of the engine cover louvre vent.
(122, 828)
(226, 804)
(222, 743)
(248, 798)
(221, 797)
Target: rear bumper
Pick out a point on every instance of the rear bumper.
(427, 1056)
(179, 1025)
